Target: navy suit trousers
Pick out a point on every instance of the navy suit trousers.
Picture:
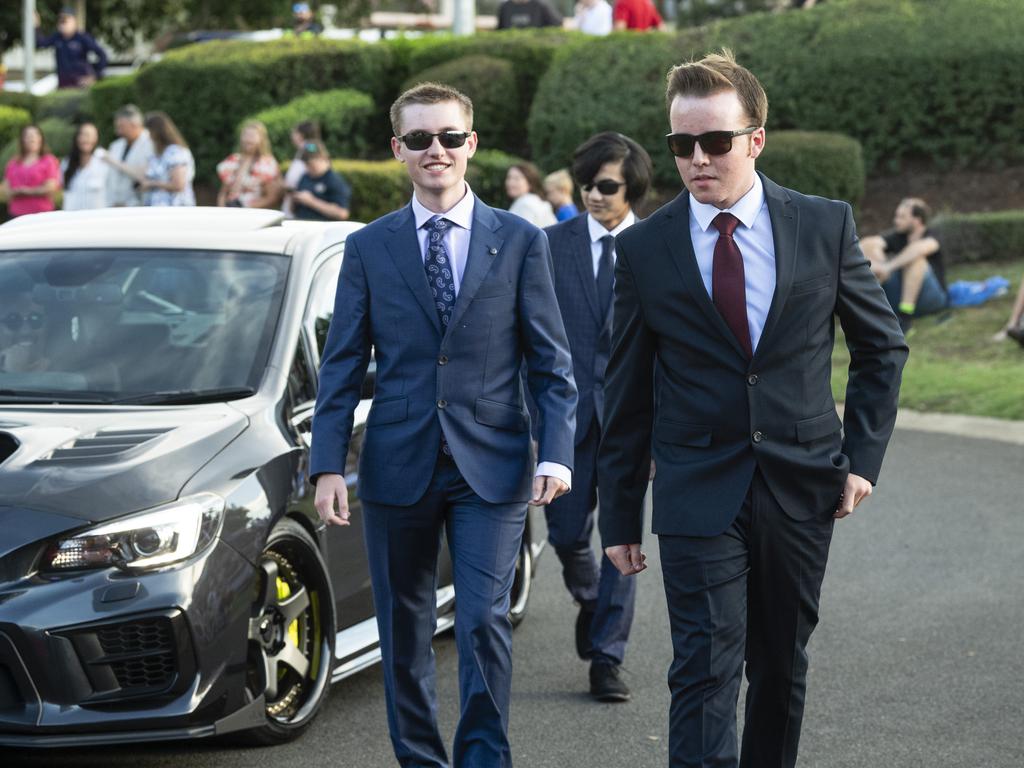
(403, 545)
(603, 589)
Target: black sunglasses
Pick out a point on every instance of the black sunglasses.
(604, 186)
(420, 140)
(15, 320)
(712, 142)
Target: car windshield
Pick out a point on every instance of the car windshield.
(144, 326)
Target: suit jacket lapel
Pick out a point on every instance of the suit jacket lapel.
(484, 245)
(785, 219)
(676, 230)
(584, 260)
(405, 251)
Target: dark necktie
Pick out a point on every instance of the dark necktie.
(440, 270)
(728, 290)
(605, 274)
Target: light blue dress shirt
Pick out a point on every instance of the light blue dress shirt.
(754, 238)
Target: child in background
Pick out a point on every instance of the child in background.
(558, 191)
(321, 194)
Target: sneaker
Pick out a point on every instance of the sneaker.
(1017, 334)
(584, 620)
(606, 683)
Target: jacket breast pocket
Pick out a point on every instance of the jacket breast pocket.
(818, 283)
(388, 411)
(818, 427)
(677, 433)
(501, 416)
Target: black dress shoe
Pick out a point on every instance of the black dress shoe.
(1017, 334)
(584, 620)
(606, 684)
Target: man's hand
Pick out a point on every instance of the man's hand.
(303, 197)
(627, 558)
(857, 489)
(331, 488)
(881, 272)
(546, 489)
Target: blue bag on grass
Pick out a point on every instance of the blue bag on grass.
(971, 293)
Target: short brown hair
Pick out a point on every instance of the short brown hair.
(430, 93)
(530, 172)
(918, 208)
(715, 73)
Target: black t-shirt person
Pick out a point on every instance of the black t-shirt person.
(895, 242)
(528, 13)
(330, 187)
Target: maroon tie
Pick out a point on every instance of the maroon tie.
(728, 290)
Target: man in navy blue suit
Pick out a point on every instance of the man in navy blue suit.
(614, 173)
(454, 298)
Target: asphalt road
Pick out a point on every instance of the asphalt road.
(918, 660)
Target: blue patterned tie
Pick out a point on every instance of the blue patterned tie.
(440, 270)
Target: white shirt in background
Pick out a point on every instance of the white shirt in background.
(292, 177)
(120, 186)
(88, 187)
(534, 209)
(595, 19)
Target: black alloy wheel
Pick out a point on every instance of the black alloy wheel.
(291, 634)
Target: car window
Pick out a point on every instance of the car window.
(321, 303)
(95, 325)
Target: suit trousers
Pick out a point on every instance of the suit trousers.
(403, 544)
(749, 594)
(605, 591)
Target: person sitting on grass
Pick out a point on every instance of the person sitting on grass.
(908, 263)
(1014, 327)
(322, 194)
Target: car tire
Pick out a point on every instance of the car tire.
(522, 584)
(291, 634)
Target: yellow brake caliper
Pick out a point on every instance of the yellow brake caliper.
(283, 593)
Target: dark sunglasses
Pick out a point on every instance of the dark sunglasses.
(420, 140)
(712, 142)
(15, 320)
(604, 186)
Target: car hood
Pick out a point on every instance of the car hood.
(69, 466)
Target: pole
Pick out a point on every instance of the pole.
(28, 34)
(464, 18)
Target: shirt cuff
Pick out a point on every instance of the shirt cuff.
(551, 469)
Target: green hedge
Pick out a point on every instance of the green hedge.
(12, 120)
(378, 186)
(19, 99)
(486, 176)
(207, 89)
(106, 97)
(905, 79)
(68, 104)
(826, 164)
(491, 84)
(981, 236)
(343, 115)
(59, 135)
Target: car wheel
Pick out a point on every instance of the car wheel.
(291, 633)
(521, 584)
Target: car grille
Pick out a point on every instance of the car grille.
(140, 653)
(108, 444)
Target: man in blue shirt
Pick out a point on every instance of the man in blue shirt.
(74, 69)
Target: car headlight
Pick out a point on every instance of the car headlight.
(148, 539)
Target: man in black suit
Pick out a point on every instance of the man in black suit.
(721, 363)
(614, 172)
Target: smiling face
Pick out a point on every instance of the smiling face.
(718, 180)
(437, 174)
(607, 210)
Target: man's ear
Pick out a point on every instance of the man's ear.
(396, 149)
(757, 141)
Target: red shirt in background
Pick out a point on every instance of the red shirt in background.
(34, 174)
(638, 14)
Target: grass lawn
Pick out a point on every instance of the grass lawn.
(954, 367)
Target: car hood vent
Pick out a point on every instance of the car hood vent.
(106, 444)
(8, 445)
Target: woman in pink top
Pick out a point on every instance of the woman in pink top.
(32, 176)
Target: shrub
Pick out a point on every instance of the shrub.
(343, 116)
(981, 236)
(826, 164)
(59, 135)
(18, 99)
(486, 176)
(12, 120)
(904, 80)
(491, 84)
(106, 97)
(65, 104)
(207, 88)
(378, 187)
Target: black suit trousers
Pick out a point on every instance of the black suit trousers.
(749, 594)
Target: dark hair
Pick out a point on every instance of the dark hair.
(430, 93)
(43, 149)
(308, 130)
(163, 131)
(611, 147)
(75, 155)
(715, 73)
(312, 149)
(532, 174)
(918, 208)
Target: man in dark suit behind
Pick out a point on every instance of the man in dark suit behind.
(454, 298)
(614, 172)
(731, 290)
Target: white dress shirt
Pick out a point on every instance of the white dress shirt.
(597, 231)
(456, 242)
(595, 20)
(753, 236)
(120, 186)
(88, 187)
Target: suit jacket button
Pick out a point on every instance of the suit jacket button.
(752, 379)
(442, 360)
(442, 403)
(758, 436)
(492, 251)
